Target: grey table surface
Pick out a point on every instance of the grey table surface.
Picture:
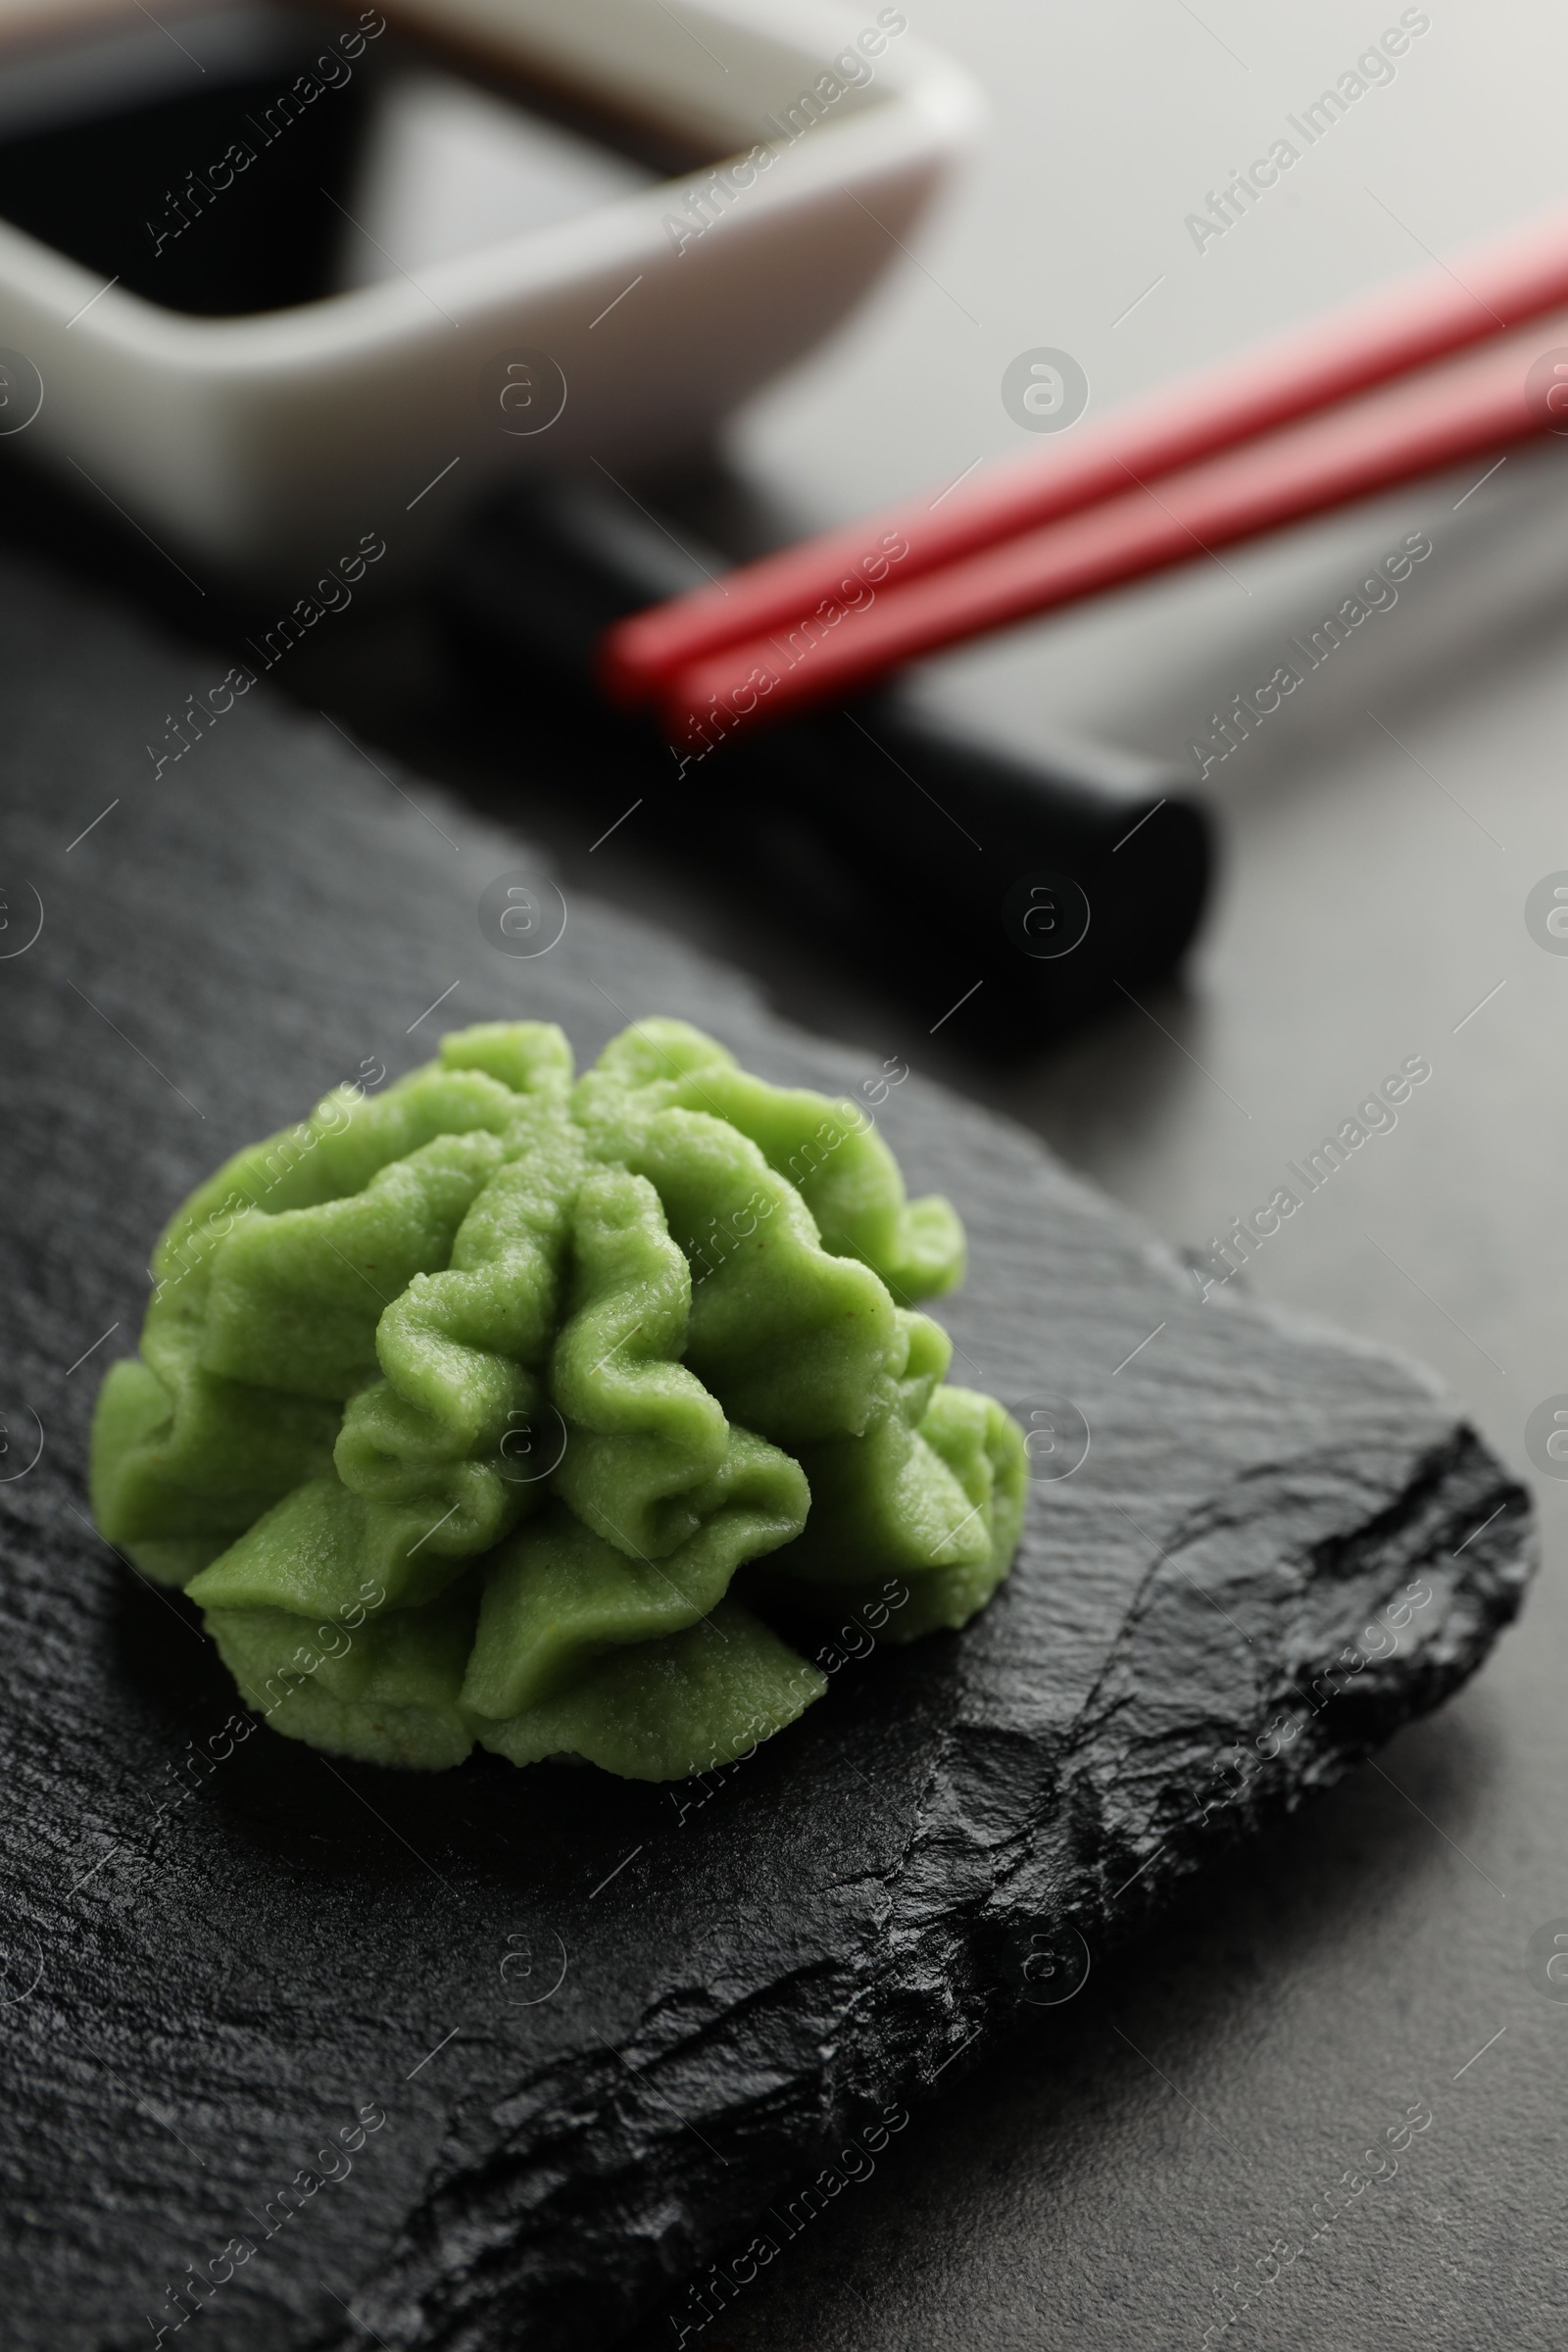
(1152, 2140)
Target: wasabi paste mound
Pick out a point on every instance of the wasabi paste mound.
(514, 1408)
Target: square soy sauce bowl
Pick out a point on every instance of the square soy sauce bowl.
(271, 272)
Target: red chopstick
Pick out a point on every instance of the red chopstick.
(1466, 408)
(1378, 337)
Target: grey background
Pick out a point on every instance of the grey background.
(1383, 831)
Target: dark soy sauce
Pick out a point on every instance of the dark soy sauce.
(250, 158)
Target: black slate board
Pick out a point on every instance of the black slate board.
(750, 1971)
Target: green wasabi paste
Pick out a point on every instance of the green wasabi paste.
(509, 1407)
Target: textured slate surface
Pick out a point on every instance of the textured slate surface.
(608, 2024)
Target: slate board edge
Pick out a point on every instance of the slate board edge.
(952, 2005)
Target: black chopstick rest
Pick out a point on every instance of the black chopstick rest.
(1006, 899)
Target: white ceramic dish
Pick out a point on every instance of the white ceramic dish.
(256, 443)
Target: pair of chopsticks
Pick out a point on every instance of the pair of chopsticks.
(1367, 398)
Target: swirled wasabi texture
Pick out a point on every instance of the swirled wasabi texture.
(510, 1407)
